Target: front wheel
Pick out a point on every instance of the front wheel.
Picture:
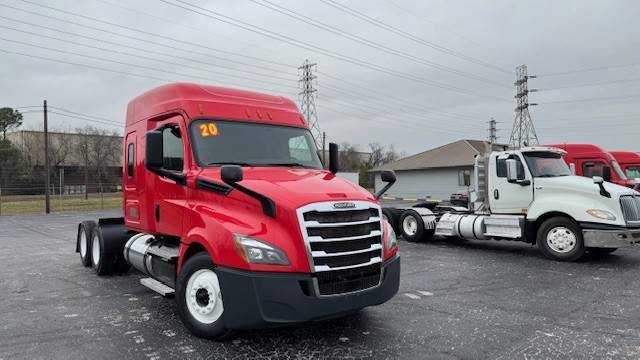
(560, 238)
(199, 298)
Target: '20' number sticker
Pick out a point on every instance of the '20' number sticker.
(209, 129)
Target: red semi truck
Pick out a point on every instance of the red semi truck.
(227, 206)
(590, 160)
(629, 162)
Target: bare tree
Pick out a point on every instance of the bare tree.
(379, 155)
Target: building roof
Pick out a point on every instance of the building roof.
(458, 153)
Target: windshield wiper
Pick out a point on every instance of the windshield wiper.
(292, 164)
(240, 163)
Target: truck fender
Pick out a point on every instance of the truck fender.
(195, 241)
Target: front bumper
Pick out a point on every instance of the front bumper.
(609, 237)
(255, 300)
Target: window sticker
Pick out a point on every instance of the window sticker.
(208, 129)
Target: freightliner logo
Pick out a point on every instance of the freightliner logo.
(344, 205)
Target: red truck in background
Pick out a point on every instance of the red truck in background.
(227, 206)
(629, 162)
(590, 160)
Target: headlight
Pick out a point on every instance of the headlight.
(256, 251)
(391, 239)
(601, 214)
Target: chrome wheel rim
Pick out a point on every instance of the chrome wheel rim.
(83, 244)
(561, 239)
(95, 250)
(410, 225)
(203, 296)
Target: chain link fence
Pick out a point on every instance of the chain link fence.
(20, 198)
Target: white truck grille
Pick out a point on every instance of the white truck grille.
(344, 244)
(631, 209)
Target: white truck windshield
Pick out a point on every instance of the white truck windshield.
(220, 142)
(546, 164)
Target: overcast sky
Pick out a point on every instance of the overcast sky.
(444, 68)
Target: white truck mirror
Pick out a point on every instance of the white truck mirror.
(572, 167)
(512, 170)
(598, 180)
(636, 186)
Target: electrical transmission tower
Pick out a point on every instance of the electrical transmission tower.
(523, 132)
(308, 100)
(493, 131)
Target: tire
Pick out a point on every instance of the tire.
(560, 238)
(107, 254)
(199, 298)
(83, 241)
(412, 226)
(602, 251)
(393, 216)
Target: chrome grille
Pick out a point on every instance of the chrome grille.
(341, 244)
(631, 209)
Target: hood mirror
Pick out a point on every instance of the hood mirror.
(600, 182)
(388, 176)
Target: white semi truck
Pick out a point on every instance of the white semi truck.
(531, 195)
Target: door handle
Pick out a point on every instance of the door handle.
(157, 212)
(496, 194)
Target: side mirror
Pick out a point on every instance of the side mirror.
(512, 170)
(389, 177)
(572, 167)
(606, 173)
(153, 151)
(334, 158)
(598, 180)
(636, 186)
(231, 174)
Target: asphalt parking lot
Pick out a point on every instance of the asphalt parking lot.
(457, 300)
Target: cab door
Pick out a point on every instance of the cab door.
(509, 197)
(169, 196)
(131, 181)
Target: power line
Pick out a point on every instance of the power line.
(143, 40)
(611, 82)
(144, 76)
(412, 37)
(198, 45)
(361, 40)
(592, 99)
(138, 55)
(111, 60)
(386, 108)
(199, 30)
(597, 68)
(335, 55)
(86, 115)
(86, 119)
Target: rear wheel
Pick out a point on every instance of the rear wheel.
(85, 232)
(560, 238)
(199, 298)
(412, 227)
(106, 256)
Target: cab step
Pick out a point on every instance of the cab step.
(158, 287)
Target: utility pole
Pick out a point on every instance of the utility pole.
(523, 132)
(47, 204)
(308, 94)
(493, 131)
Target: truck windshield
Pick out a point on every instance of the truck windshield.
(633, 172)
(616, 167)
(546, 164)
(220, 142)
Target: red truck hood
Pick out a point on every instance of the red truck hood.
(296, 187)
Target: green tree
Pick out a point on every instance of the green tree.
(11, 162)
(9, 119)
